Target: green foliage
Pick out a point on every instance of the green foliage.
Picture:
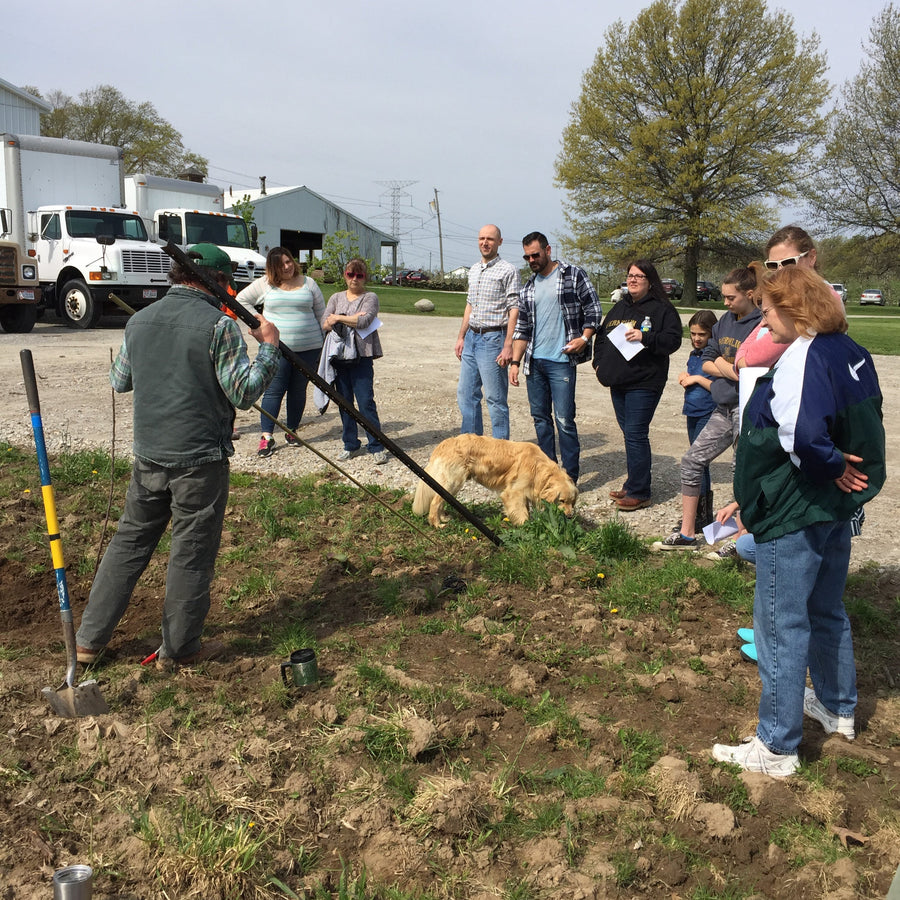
(613, 541)
(103, 115)
(337, 250)
(548, 526)
(683, 132)
(642, 750)
(859, 188)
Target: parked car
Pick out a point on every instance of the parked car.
(417, 276)
(841, 290)
(674, 290)
(872, 297)
(707, 291)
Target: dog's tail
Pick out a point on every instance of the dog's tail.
(425, 495)
(422, 500)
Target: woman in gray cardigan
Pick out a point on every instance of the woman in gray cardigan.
(357, 308)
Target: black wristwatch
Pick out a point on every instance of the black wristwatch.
(514, 362)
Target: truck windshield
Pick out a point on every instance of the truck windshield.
(224, 231)
(91, 222)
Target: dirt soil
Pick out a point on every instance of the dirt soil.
(251, 753)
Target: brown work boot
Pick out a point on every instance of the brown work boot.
(208, 651)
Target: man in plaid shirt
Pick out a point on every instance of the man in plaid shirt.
(558, 314)
(484, 345)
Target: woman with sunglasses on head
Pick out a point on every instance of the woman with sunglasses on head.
(296, 303)
(789, 246)
(811, 450)
(357, 308)
(636, 384)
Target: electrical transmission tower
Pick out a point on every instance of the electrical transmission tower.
(397, 192)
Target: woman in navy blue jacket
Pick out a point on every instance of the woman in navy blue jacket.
(811, 451)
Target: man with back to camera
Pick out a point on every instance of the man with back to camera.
(484, 344)
(559, 311)
(187, 363)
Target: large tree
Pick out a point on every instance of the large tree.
(103, 115)
(691, 120)
(859, 186)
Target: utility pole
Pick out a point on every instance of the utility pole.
(436, 208)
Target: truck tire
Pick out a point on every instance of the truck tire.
(18, 319)
(76, 305)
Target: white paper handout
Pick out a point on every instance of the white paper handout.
(717, 531)
(628, 349)
(374, 325)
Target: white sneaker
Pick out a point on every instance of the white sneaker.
(754, 756)
(813, 707)
(381, 457)
(347, 454)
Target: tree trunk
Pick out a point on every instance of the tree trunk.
(691, 267)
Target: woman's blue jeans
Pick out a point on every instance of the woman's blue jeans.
(291, 381)
(357, 380)
(634, 412)
(799, 621)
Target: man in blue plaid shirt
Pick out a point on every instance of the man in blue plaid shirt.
(559, 311)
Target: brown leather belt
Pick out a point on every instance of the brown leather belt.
(486, 330)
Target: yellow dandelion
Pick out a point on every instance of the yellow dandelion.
(27, 490)
(600, 575)
(506, 518)
(615, 609)
(93, 471)
(251, 824)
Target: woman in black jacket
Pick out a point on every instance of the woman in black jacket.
(646, 317)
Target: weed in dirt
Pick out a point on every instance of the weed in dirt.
(548, 526)
(291, 636)
(642, 750)
(804, 842)
(625, 868)
(252, 590)
(528, 566)
(575, 783)
(613, 541)
(87, 467)
(733, 793)
(520, 889)
(860, 768)
(218, 857)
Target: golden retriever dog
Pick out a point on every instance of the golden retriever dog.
(520, 471)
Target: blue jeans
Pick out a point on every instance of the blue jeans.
(746, 548)
(798, 620)
(696, 424)
(356, 380)
(551, 388)
(194, 499)
(479, 367)
(634, 412)
(291, 381)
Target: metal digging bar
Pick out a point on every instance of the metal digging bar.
(250, 320)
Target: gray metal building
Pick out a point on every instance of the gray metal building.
(299, 219)
(20, 112)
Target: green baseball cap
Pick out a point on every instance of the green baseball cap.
(210, 256)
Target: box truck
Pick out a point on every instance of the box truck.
(19, 288)
(65, 200)
(190, 212)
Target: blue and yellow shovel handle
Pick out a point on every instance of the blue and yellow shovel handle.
(56, 553)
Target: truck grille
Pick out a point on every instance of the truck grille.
(7, 265)
(247, 273)
(140, 262)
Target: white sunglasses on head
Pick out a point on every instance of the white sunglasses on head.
(787, 261)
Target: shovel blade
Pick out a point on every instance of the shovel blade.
(76, 702)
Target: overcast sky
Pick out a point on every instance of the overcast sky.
(344, 95)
